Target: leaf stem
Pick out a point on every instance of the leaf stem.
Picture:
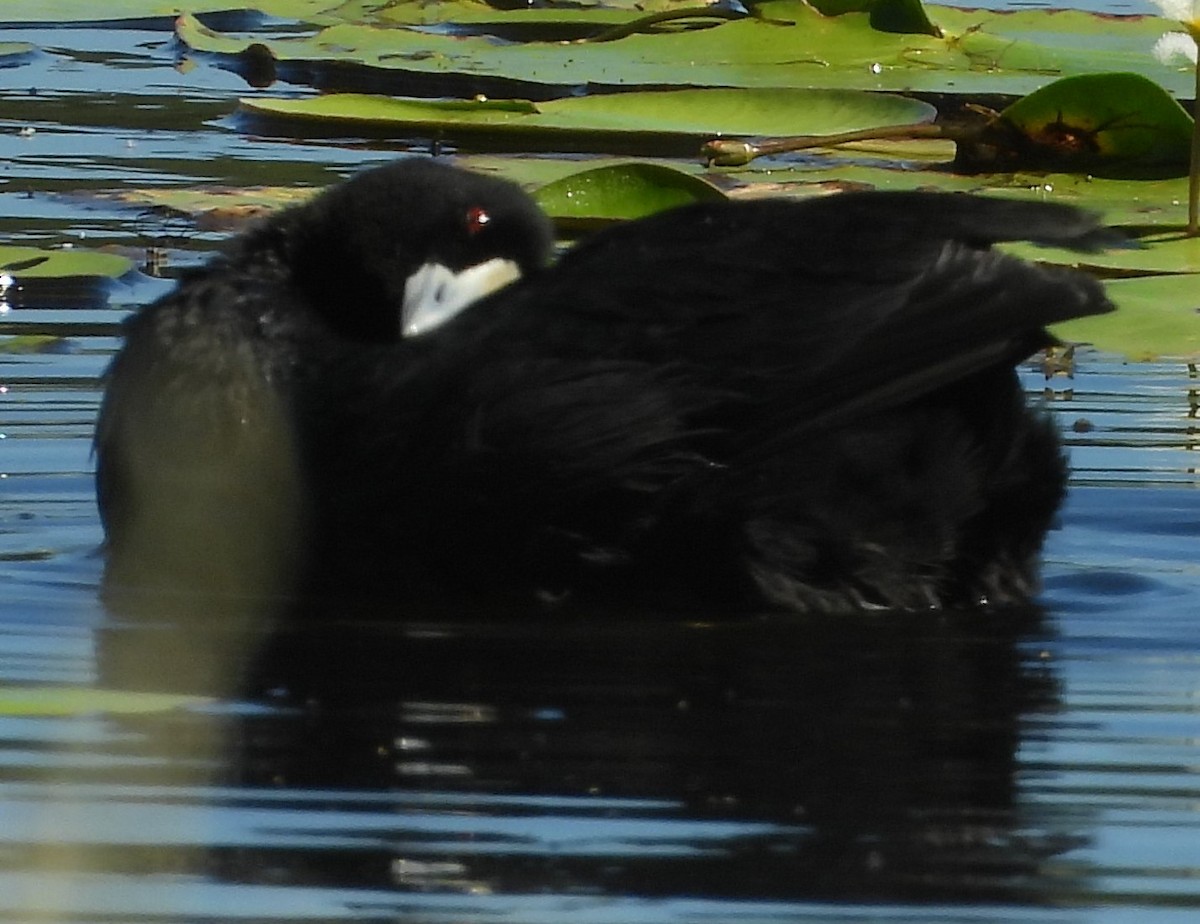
(731, 152)
(1193, 228)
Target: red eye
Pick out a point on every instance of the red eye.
(477, 220)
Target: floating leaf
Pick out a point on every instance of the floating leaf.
(789, 44)
(621, 191)
(1157, 316)
(31, 276)
(74, 701)
(741, 53)
(485, 17)
(12, 53)
(533, 172)
(1128, 203)
(602, 190)
(1099, 121)
(35, 263)
(628, 120)
(1163, 252)
(216, 207)
(88, 11)
(27, 345)
(1138, 204)
(1058, 43)
(1116, 124)
(32, 344)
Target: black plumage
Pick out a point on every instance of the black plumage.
(807, 405)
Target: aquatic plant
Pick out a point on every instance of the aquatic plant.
(1184, 44)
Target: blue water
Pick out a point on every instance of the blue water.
(1037, 767)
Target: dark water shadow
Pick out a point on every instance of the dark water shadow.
(871, 757)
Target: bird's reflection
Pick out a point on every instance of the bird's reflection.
(871, 757)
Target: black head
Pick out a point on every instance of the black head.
(353, 249)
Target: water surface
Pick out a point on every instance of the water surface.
(1014, 767)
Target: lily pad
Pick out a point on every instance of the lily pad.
(75, 701)
(1140, 205)
(1157, 316)
(14, 53)
(532, 172)
(742, 53)
(34, 277)
(627, 120)
(483, 16)
(32, 344)
(1094, 120)
(621, 191)
(215, 208)
(1060, 43)
(1135, 204)
(789, 44)
(602, 190)
(23, 263)
(1161, 253)
(88, 11)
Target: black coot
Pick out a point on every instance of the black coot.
(807, 405)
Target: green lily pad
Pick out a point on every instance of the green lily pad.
(628, 120)
(1134, 204)
(1110, 120)
(532, 172)
(1114, 124)
(1139, 204)
(81, 11)
(12, 52)
(611, 191)
(621, 191)
(789, 45)
(35, 263)
(31, 344)
(601, 190)
(481, 15)
(1161, 253)
(741, 53)
(75, 701)
(1060, 43)
(1157, 316)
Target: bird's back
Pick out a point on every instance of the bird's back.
(805, 405)
(798, 404)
